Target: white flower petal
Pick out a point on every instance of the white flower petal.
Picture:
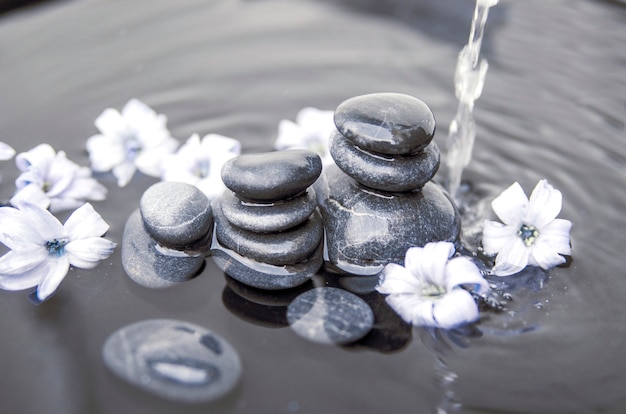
(150, 160)
(85, 223)
(87, 253)
(32, 176)
(556, 235)
(461, 271)
(42, 221)
(60, 175)
(105, 152)
(64, 204)
(124, 173)
(412, 309)
(511, 205)
(25, 280)
(40, 156)
(16, 262)
(288, 136)
(396, 279)
(454, 309)
(512, 259)
(31, 194)
(496, 236)
(212, 186)
(544, 256)
(545, 204)
(6, 151)
(428, 263)
(85, 189)
(16, 231)
(55, 271)
(111, 123)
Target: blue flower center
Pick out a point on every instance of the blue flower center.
(528, 234)
(133, 147)
(201, 168)
(56, 247)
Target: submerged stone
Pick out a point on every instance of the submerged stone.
(366, 229)
(280, 248)
(388, 123)
(385, 172)
(173, 359)
(271, 176)
(330, 316)
(271, 216)
(149, 265)
(176, 214)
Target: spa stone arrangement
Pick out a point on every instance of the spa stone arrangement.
(375, 203)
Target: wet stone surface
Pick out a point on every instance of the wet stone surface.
(173, 359)
(146, 264)
(388, 173)
(268, 217)
(330, 316)
(388, 123)
(176, 214)
(271, 176)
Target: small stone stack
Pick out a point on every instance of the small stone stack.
(173, 220)
(379, 199)
(268, 231)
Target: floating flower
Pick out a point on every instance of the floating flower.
(136, 139)
(6, 152)
(42, 249)
(531, 233)
(430, 290)
(199, 162)
(311, 131)
(49, 179)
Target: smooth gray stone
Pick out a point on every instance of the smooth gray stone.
(281, 248)
(385, 172)
(366, 229)
(330, 316)
(388, 123)
(271, 216)
(176, 214)
(173, 359)
(273, 175)
(263, 275)
(148, 267)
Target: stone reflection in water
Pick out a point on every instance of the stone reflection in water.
(173, 359)
(268, 233)
(330, 316)
(378, 200)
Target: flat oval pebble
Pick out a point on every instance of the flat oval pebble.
(149, 267)
(173, 359)
(330, 316)
(280, 248)
(389, 123)
(268, 217)
(388, 173)
(175, 214)
(271, 176)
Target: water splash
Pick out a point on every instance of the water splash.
(469, 79)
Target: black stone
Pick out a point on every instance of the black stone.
(385, 172)
(173, 359)
(366, 229)
(176, 214)
(145, 262)
(271, 176)
(330, 316)
(388, 123)
(268, 217)
(279, 248)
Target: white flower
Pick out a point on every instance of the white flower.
(311, 131)
(531, 233)
(42, 249)
(430, 290)
(200, 163)
(49, 179)
(6, 152)
(135, 139)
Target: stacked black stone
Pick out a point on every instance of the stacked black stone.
(268, 233)
(379, 199)
(162, 238)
